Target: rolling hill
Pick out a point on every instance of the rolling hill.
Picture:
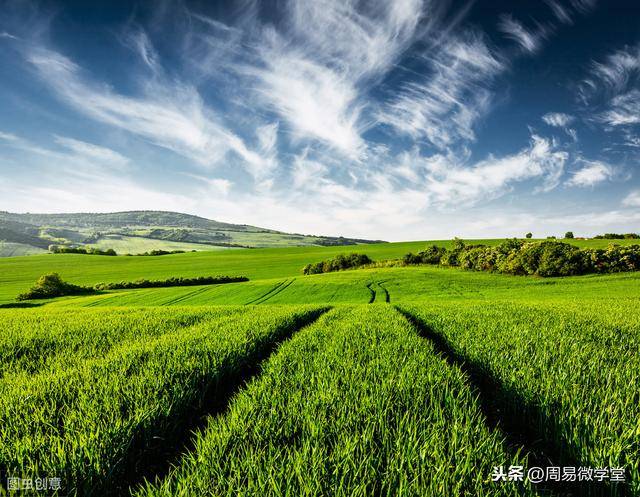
(136, 232)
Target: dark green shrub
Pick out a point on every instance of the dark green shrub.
(61, 249)
(50, 286)
(411, 259)
(162, 252)
(432, 254)
(450, 257)
(338, 263)
(559, 259)
(200, 280)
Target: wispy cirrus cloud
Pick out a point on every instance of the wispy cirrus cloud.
(314, 69)
(612, 75)
(562, 12)
(584, 6)
(444, 107)
(72, 156)
(169, 114)
(530, 40)
(91, 151)
(558, 119)
(624, 109)
(614, 83)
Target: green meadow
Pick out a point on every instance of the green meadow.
(410, 381)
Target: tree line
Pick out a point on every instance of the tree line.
(544, 258)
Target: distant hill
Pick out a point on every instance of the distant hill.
(140, 231)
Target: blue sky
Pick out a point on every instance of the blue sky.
(411, 119)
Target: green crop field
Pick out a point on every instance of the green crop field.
(409, 381)
(138, 245)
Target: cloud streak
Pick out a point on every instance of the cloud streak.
(172, 116)
(530, 41)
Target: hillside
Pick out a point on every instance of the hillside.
(141, 231)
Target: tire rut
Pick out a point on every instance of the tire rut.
(272, 289)
(280, 289)
(499, 405)
(372, 297)
(153, 462)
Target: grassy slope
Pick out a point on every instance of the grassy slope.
(17, 274)
(403, 285)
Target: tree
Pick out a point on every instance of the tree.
(568, 234)
(528, 235)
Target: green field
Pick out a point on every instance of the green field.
(10, 249)
(138, 245)
(403, 381)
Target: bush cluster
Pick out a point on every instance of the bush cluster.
(338, 263)
(51, 285)
(618, 236)
(161, 252)
(546, 258)
(142, 283)
(61, 249)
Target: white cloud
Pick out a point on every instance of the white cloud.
(140, 42)
(79, 158)
(632, 199)
(558, 119)
(314, 100)
(528, 40)
(216, 186)
(8, 137)
(490, 178)
(103, 155)
(591, 174)
(315, 71)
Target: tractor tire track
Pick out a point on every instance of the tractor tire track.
(497, 402)
(387, 296)
(274, 288)
(186, 296)
(153, 462)
(372, 298)
(279, 290)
